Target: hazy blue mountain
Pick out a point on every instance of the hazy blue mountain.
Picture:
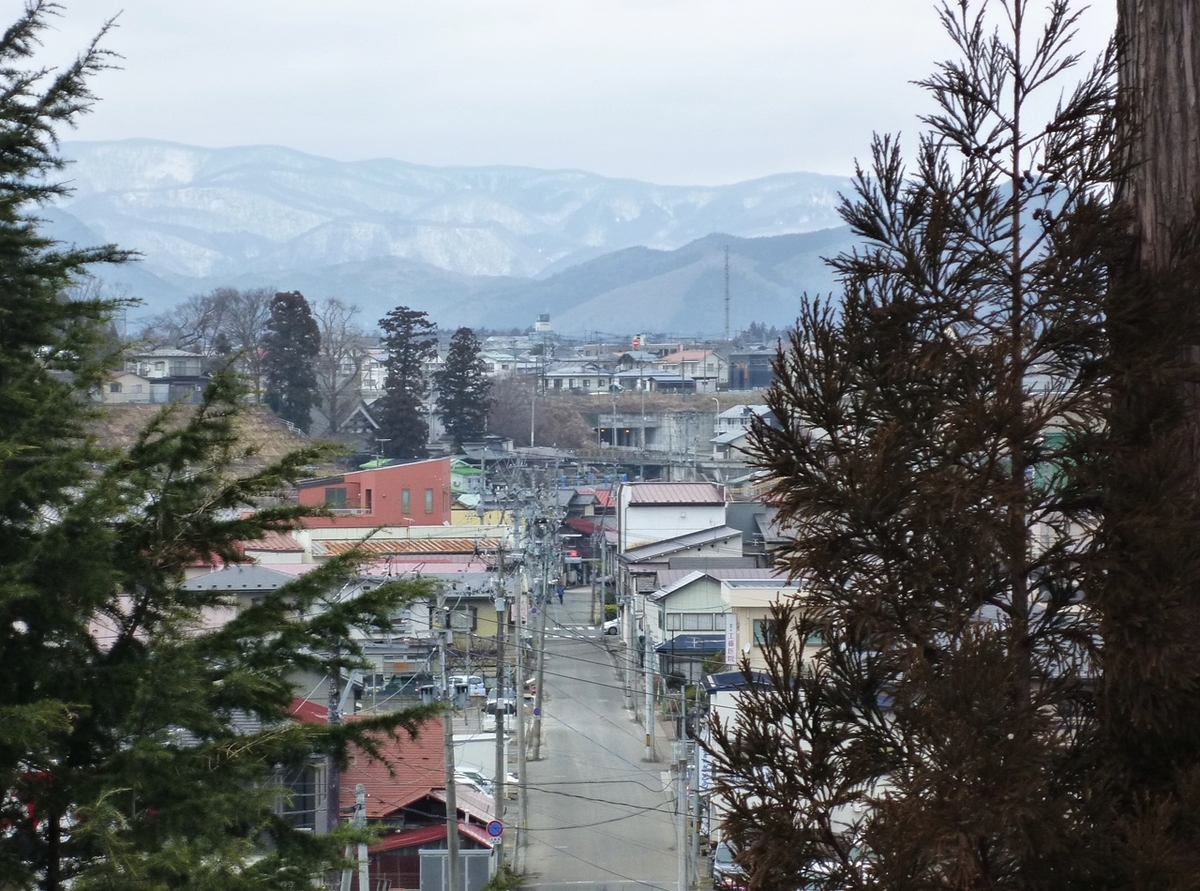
(487, 245)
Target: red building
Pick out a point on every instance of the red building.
(414, 494)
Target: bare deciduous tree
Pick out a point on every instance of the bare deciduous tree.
(340, 363)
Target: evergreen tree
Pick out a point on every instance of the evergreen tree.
(1145, 582)
(128, 754)
(463, 389)
(919, 725)
(410, 340)
(292, 344)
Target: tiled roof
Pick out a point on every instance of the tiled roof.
(412, 768)
(383, 547)
(686, 356)
(675, 493)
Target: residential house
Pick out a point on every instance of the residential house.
(648, 512)
(752, 626)
(732, 428)
(416, 493)
(686, 617)
(174, 375)
(707, 368)
(578, 377)
(750, 369)
(125, 387)
(404, 799)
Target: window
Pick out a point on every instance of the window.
(405, 502)
(766, 631)
(464, 619)
(673, 621)
(369, 500)
(429, 501)
(137, 388)
(697, 621)
(587, 383)
(299, 804)
(114, 388)
(335, 498)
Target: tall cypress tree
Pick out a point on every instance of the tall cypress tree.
(410, 340)
(463, 389)
(292, 344)
(923, 722)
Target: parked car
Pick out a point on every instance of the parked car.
(473, 682)
(612, 626)
(726, 873)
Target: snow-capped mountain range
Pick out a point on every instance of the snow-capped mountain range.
(383, 232)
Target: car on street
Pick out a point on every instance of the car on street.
(726, 873)
(612, 626)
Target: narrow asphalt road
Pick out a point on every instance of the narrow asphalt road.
(599, 817)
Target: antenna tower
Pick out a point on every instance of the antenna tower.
(727, 293)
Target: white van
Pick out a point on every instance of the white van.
(473, 682)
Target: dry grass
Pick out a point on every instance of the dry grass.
(118, 426)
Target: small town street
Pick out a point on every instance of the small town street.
(599, 816)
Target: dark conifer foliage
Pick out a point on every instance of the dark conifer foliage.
(292, 344)
(463, 389)
(129, 754)
(931, 465)
(410, 340)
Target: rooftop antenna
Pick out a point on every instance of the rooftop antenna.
(727, 293)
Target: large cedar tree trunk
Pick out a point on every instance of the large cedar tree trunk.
(1160, 80)
(1147, 589)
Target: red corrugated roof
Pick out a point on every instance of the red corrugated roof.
(407, 546)
(410, 839)
(273, 541)
(308, 712)
(675, 493)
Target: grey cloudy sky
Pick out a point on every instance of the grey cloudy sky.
(668, 91)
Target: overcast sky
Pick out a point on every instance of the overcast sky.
(667, 91)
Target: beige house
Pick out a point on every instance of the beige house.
(125, 387)
(706, 367)
(749, 626)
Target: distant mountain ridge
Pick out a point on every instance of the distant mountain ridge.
(484, 246)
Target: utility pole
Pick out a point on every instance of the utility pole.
(681, 817)
(649, 668)
(630, 649)
(501, 765)
(452, 864)
(695, 792)
(333, 780)
(360, 822)
(519, 647)
(543, 547)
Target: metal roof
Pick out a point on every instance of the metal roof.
(679, 543)
(675, 493)
(692, 643)
(273, 541)
(249, 577)
(405, 546)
